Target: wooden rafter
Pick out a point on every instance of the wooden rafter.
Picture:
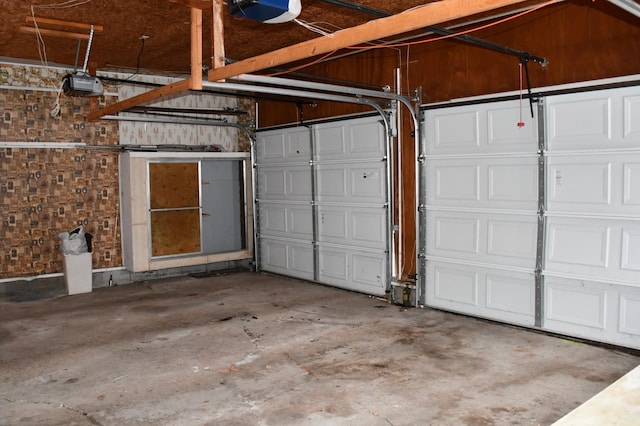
(413, 19)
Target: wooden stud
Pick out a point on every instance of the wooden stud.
(196, 48)
(217, 34)
(412, 19)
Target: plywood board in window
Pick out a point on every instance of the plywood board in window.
(175, 232)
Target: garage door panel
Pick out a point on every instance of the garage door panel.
(503, 133)
(454, 131)
(292, 258)
(353, 226)
(601, 311)
(586, 120)
(631, 248)
(580, 182)
(578, 244)
(285, 183)
(604, 119)
(604, 184)
(631, 185)
(286, 220)
(485, 292)
(512, 238)
(360, 139)
(457, 182)
(360, 183)
(631, 114)
(344, 190)
(456, 286)
(278, 147)
(510, 294)
(491, 238)
(596, 248)
(629, 314)
(581, 305)
(481, 129)
(456, 235)
(350, 268)
(486, 183)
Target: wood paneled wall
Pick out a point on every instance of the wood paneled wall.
(582, 40)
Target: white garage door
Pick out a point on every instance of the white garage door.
(323, 204)
(592, 267)
(481, 219)
(538, 225)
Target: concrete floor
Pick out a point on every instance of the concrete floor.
(254, 349)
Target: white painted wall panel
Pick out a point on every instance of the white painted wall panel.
(485, 183)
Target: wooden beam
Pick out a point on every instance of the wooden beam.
(64, 24)
(152, 95)
(412, 19)
(196, 48)
(217, 35)
(196, 4)
(54, 33)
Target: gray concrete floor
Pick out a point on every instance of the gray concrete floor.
(254, 349)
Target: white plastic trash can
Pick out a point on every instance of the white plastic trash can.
(78, 273)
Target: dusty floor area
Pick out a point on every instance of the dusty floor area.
(253, 349)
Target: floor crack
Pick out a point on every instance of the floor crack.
(84, 413)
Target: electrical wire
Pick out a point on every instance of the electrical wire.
(322, 58)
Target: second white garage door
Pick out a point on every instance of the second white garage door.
(323, 203)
